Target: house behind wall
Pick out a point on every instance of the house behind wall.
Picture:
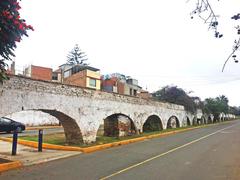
(120, 84)
(81, 75)
(131, 87)
(38, 72)
(144, 94)
(113, 85)
(57, 75)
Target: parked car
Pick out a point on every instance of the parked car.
(9, 125)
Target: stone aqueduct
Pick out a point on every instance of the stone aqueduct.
(81, 111)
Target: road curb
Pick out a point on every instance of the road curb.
(97, 147)
(129, 141)
(44, 145)
(42, 127)
(103, 146)
(114, 144)
(10, 165)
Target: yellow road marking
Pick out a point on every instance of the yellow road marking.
(165, 153)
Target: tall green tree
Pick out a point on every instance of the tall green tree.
(217, 105)
(76, 56)
(234, 110)
(12, 28)
(173, 94)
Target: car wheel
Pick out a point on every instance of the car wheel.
(19, 129)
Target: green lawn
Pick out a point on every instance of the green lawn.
(59, 138)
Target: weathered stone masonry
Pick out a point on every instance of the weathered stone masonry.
(81, 111)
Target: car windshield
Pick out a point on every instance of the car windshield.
(5, 120)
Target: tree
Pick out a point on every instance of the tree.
(205, 11)
(198, 103)
(12, 28)
(173, 94)
(234, 110)
(217, 105)
(76, 56)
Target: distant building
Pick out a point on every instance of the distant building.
(113, 84)
(120, 84)
(57, 75)
(11, 70)
(131, 87)
(81, 75)
(144, 94)
(38, 72)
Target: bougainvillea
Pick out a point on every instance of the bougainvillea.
(12, 29)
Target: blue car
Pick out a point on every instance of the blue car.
(9, 125)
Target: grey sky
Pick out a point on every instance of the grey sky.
(153, 41)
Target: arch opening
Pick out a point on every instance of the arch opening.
(188, 122)
(72, 131)
(209, 120)
(195, 121)
(216, 118)
(173, 122)
(203, 120)
(43, 117)
(118, 125)
(153, 123)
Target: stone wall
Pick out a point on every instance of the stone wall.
(86, 107)
(124, 126)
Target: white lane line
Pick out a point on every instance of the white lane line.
(165, 153)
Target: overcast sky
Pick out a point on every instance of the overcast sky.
(153, 41)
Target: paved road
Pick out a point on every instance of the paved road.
(34, 132)
(211, 153)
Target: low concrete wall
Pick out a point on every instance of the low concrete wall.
(34, 118)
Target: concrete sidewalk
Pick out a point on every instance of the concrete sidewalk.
(29, 156)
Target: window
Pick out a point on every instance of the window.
(135, 92)
(66, 74)
(131, 92)
(55, 76)
(76, 69)
(92, 82)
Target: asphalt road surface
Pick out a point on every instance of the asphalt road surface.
(34, 132)
(211, 153)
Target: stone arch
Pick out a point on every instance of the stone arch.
(188, 121)
(71, 128)
(195, 121)
(118, 125)
(173, 122)
(223, 117)
(209, 121)
(216, 118)
(153, 123)
(203, 120)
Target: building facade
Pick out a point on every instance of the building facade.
(120, 84)
(38, 72)
(83, 76)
